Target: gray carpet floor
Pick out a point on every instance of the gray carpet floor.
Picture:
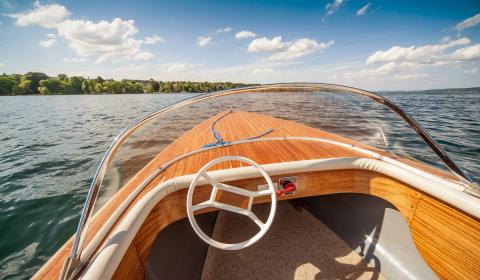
(297, 246)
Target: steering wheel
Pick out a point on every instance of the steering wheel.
(264, 227)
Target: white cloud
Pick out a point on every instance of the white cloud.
(143, 56)
(379, 71)
(471, 71)
(106, 40)
(467, 53)
(48, 16)
(180, 67)
(51, 40)
(245, 34)
(74, 59)
(263, 71)
(386, 68)
(362, 11)
(333, 6)
(469, 22)
(287, 50)
(401, 77)
(398, 62)
(267, 45)
(224, 30)
(427, 54)
(152, 40)
(2, 65)
(385, 71)
(203, 41)
(393, 53)
(47, 43)
(300, 48)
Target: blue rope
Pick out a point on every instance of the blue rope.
(219, 138)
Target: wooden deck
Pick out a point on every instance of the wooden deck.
(242, 125)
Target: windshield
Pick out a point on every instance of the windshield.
(348, 114)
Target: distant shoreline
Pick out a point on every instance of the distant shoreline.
(104, 94)
(37, 83)
(475, 90)
(437, 90)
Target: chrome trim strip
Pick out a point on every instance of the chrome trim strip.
(87, 210)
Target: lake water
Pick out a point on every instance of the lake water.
(51, 145)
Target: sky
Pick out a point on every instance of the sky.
(374, 45)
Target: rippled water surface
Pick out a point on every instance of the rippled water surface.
(51, 145)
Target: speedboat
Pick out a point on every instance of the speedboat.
(283, 181)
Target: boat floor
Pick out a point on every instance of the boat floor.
(297, 246)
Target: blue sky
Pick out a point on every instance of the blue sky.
(376, 45)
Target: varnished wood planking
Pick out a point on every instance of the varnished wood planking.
(448, 239)
(238, 125)
(404, 197)
(53, 267)
(131, 266)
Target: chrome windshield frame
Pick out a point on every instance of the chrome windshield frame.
(87, 211)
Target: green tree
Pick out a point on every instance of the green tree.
(43, 90)
(39, 83)
(50, 86)
(87, 86)
(148, 88)
(16, 77)
(98, 88)
(34, 78)
(99, 80)
(76, 84)
(112, 86)
(155, 85)
(24, 87)
(7, 84)
(62, 77)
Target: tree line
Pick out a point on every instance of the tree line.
(41, 84)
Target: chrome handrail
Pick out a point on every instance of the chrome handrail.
(74, 258)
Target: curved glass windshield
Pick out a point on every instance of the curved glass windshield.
(346, 114)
